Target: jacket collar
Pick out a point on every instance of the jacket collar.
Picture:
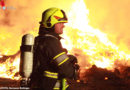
(43, 32)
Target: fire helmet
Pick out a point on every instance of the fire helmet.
(52, 16)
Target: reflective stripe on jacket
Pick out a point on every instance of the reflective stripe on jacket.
(60, 58)
(59, 83)
(53, 59)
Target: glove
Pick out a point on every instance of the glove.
(74, 62)
(76, 76)
(76, 66)
(73, 59)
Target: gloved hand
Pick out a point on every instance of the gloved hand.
(77, 71)
(76, 66)
(73, 59)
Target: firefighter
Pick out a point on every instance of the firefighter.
(51, 61)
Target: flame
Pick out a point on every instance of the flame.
(10, 67)
(106, 78)
(90, 45)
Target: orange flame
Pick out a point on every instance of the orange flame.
(10, 67)
(89, 45)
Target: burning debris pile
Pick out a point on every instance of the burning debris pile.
(9, 65)
(96, 78)
(3, 58)
(93, 78)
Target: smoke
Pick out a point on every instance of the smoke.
(21, 17)
(112, 17)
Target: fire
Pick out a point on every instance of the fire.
(89, 45)
(10, 67)
(106, 78)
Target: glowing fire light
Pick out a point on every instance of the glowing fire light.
(106, 78)
(8, 69)
(89, 45)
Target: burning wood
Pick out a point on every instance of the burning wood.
(101, 79)
(9, 66)
(11, 58)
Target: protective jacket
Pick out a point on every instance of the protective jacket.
(51, 62)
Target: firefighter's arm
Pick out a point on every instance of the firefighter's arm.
(74, 61)
(64, 63)
(67, 68)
